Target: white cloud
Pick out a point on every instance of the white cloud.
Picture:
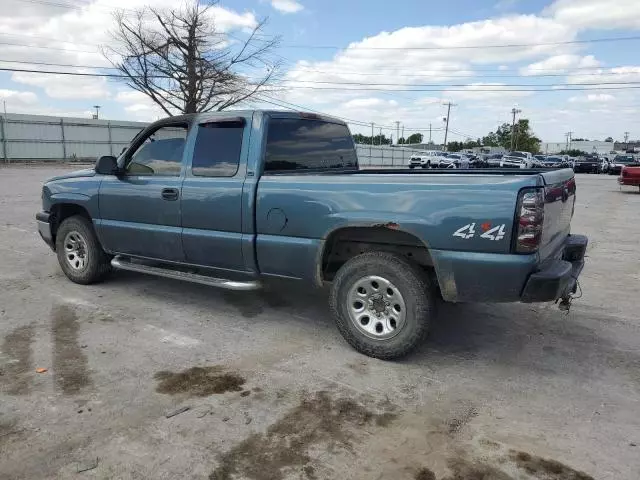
(67, 39)
(65, 86)
(592, 98)
(487, 91)
(287, 6)
(139, 105)
(369, 102)
(600, 14)
(607, 75)
(18, 98)
(560, 62)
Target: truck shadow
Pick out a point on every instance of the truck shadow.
(537, 338)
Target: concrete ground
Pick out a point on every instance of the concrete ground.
(497, 392)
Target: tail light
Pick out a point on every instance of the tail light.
(529, 220)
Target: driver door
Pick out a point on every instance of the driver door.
(140, 209)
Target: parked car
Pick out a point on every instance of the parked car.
(450, 160)
(620, 161)
(539, 160)
(479, 161)
(494, 159)
(630, 175)
(604, 165)
(555, 161)
(587, 164)
(425, 160)
(517, 160)
(232, 199)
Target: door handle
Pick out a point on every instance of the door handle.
(170, 193)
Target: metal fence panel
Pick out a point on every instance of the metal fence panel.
(40, 137)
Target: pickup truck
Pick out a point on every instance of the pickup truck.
(630, 175)
(233, 199)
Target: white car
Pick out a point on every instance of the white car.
(517, 160)
(418, 161)
(425, 160)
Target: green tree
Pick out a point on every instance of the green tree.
(454, 146)
(525, 140)
(366, 140)
(609, 139)
(574, 152)
(414, 138)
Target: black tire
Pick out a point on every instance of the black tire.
(96, 262)
(413, 284)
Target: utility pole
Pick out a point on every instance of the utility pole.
(96, 116)
(371, 143)
(397, 130)
(568, 135)
(403, 140)
(626, 140)
(380, 136)
(514, 112)
(429, 133)
(446, 130)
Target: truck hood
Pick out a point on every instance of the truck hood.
(85, 172)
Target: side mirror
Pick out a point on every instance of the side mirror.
(107, 165)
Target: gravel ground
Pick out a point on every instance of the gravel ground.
(497, 392)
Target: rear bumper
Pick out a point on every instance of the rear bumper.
(630, 181)
(558, 277)
(44, 228)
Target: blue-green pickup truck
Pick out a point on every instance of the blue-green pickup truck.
(231, 199)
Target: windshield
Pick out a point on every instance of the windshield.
(518, 154)
(554, 159)
(624, 159)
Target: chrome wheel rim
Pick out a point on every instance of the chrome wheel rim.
(75, 250)
(376, 307)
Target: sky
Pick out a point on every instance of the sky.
(369, 61)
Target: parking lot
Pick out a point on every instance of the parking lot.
(497, 392)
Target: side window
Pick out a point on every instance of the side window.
(300, 144)
(160, 154)
(217, 149)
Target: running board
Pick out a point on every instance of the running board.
(126, 264)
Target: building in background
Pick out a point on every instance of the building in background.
(595, 146)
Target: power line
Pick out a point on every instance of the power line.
(477, 88)
(558, 88)
(48, 64)
(338, 73)
(47, 47)
(458, 84)
(471, 47)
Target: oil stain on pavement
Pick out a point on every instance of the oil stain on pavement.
(536, 467)
(544, 468)
(317, 419)
(199, 381)
(17, 372)
(70, 371)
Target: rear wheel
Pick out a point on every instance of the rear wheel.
(382, 304)
(79, 252)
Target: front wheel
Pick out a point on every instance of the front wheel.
(79, 252)
(382, 304)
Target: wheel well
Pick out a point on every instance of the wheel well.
(61, 211)
(346, 243)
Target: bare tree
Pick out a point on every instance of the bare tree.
(179, 59)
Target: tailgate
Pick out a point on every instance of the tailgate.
(560, 196)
